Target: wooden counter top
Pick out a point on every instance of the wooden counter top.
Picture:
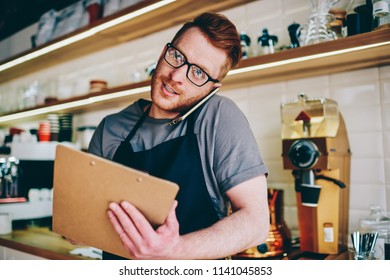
(46, 244)
(41, 242)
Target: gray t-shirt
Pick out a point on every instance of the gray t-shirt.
(228, 149)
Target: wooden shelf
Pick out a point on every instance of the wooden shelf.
(351, 53)
(162, 18)
(355, 52)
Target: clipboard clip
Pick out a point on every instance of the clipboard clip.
(181, 118)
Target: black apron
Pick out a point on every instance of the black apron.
(177, 160)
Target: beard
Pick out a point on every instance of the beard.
(177, 102)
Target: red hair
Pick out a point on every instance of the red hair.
(222, 34)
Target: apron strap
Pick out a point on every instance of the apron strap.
(190, 122)
(138, 124)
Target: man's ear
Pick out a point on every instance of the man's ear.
(217, 85)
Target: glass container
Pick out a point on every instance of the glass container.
(309, 117)
(318, 29)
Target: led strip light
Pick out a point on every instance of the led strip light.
(83, 35)
(73, 104)
(304, 58)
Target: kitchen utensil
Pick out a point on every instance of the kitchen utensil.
(181, 117)
(317, 28)
(267, 42)
(381, 12)
(245, 44)
(294, 32)
(363, 245)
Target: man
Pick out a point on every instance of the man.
(212, 154)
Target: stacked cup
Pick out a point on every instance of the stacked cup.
(54, 126)
(66, 127)
(44, 131)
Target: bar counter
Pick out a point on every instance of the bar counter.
(41, 242)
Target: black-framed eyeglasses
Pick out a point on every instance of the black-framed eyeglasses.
(195, 74)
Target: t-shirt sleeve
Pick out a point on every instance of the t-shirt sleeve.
(96, 144)
(236, 156)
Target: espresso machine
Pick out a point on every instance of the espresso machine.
(316, 149)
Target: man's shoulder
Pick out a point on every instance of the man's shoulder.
(220, 105)
(220, 100)
(219, 111)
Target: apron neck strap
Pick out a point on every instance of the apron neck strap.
(138, 124)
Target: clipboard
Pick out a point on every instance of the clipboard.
(84, 185)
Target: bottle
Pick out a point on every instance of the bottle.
(377, 222)
(380, 8)
(245, 44)
(267, 42)
(294, 32)
(14, 176)
(381, 12)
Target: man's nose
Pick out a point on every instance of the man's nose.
(179, 74)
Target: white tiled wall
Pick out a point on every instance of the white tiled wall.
(363, 97)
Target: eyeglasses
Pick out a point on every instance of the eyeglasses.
(195, 74)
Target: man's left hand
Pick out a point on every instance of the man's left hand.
(139, 238)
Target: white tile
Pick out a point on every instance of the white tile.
(384, 72)
(312, 87)
(293, 6)
(265, 102)
(388, 199)
(367, 171)
(355, 217)
(271, 147)
(276, 172)
(362, 119)
(366, 144)
(266, 126)
(386, 144)
(263, 10)
(355, 77)
(238, 17)
(268, 92)
(386, 117)
(358, 94)
(387, 170)
(362, 196)
(385, 90)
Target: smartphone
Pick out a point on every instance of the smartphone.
(180, 117)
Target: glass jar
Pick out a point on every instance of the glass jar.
(378, 222)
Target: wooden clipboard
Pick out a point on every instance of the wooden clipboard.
(84, 185)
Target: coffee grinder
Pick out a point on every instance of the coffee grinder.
(316, 149)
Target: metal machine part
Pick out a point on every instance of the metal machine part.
(304, 153)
